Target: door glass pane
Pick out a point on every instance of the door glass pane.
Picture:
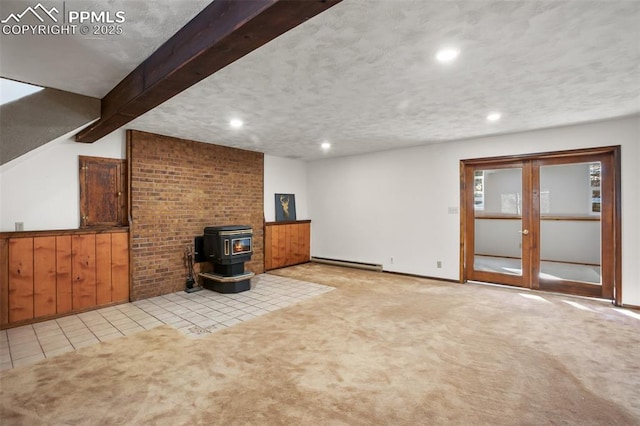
(498, 221)
(570, 222)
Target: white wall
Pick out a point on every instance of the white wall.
(41, 188)
(365, 208)
(373, 207)
(285, 176)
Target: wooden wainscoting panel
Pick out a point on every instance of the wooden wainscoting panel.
(20, 279)
(305, 236)
(286, 243)
(103, 269)
(294, 244)
(83, 269)
(273, 244)
(281, 260)
(47, 274)
(120, 267)
(44, 276)
(4, 281)
(64, 300)
(275, 249)
(268, 235)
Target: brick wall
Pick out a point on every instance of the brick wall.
(177, 188)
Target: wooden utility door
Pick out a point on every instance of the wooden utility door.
(102, 192)
(548, 221)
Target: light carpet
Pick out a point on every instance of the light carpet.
(382, 349)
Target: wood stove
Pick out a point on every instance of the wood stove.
(227, 248)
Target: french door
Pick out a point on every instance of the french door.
(547, 221)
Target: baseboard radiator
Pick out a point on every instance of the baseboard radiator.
(348, 264)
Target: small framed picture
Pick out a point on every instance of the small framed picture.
(285, 207)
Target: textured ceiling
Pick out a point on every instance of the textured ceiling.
(90, 65)
(362, 75)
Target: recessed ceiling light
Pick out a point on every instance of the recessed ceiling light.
(235, 123)
(447, 55)
(325, 145)
(494, 116)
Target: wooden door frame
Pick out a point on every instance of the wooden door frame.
(613, 224)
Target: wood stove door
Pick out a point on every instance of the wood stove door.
(498, 226)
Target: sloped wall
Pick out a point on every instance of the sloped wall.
(37, 119)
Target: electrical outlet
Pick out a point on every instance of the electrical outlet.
(391, 260)
(439, 264)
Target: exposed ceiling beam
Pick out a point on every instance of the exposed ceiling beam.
(222, 33)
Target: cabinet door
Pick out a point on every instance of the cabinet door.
(102, 192)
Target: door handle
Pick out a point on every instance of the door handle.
(524, 232)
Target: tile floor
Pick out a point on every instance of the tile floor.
(194, 314)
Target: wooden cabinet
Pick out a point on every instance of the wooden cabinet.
(51, 273)
(102, 192)
(286, 243)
